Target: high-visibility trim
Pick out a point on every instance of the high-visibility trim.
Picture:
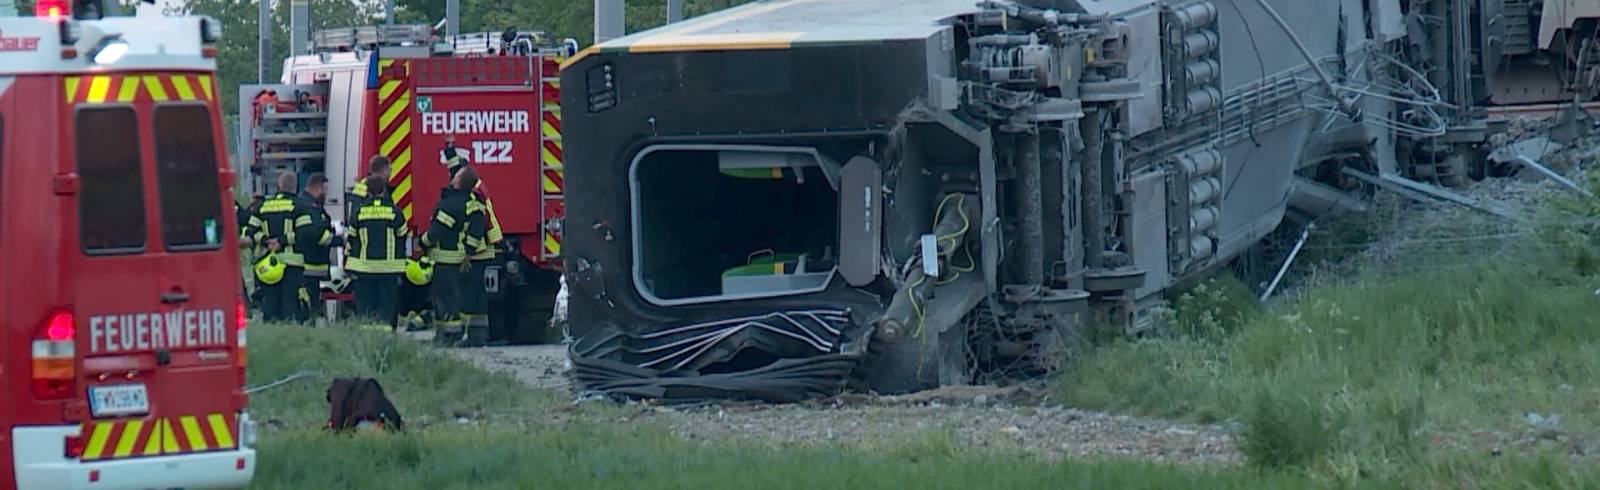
(116, 439)
(387, 89)
(98, 88)
(71, 86)
(180, 83)
(131, 434)
(169, 439)
(97, 441)
(191, 431)
(399, 137)
(205, 86)
(128, 90)
(221, 430)
(157, 92)
(393, 112)
(552, 244)
(552, 181)
(402, 191)
(394, 130)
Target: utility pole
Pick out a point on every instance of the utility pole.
(388, 12)
(264, 51)
(674, 11)
(299, 27)
(452, 18)
(609, 21)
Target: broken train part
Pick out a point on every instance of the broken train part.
(970, 186)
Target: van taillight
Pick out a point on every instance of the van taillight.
(54, 356)
(242, 317)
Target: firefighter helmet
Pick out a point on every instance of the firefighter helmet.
(419, 271)
(269, 270)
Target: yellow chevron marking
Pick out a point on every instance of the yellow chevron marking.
(130, 436)
(191, 430)
(549, 131)
(399, 136)
(152, 446)
(220, 429)
(98, 86)
(387, 89)
(169, 440)
(408, 212)
(180, 83)
(128, 90)
(551, 244)
(97, 440)
(393, 112)
(401, 161)
(402, 190)
(550, 160)
(550, 185)
(158, 93)
(72, 89)
(205, 85)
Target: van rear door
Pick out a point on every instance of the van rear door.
(157, 287)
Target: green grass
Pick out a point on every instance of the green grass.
(515, 443)
(428, 386)
(1380, 376)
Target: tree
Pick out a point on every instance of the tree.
(236, 59)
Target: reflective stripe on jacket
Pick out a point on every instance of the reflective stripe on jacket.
(377, 235)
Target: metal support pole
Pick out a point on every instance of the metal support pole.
(299, 27)
(674, 11)
(1287, 262)
(452, 18)
(1030, 206)
(1094, 241)
(264, 50)
(609, 20)
(388, 12)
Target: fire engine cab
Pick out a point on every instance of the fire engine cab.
(122, 334)
(416, 97)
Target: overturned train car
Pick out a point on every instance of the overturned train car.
(780, 199)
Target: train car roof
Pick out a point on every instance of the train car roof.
(780, 24)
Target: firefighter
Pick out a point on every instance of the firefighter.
(316, 241)
(378, 165)
(443, 243)
(274, 225)
(377, 258)
(480, 253)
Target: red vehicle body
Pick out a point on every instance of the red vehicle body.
(122, 335)
(404, 93)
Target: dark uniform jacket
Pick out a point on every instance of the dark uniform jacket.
(316, 240)
(377, 238)
(282, 217)
(444, 236)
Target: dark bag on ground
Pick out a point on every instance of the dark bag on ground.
(357, 401)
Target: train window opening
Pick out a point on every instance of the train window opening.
(186, 170)
(714, 224)
(111, 213)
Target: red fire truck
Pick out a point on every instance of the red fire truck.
(403, 92)
(122, 332)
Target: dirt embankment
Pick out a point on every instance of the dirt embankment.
(981, 418)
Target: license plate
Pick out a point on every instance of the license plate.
(117, 400)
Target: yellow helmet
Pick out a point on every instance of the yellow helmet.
(419, 272)
(269, 270)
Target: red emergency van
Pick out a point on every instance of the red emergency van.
(122, 334)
